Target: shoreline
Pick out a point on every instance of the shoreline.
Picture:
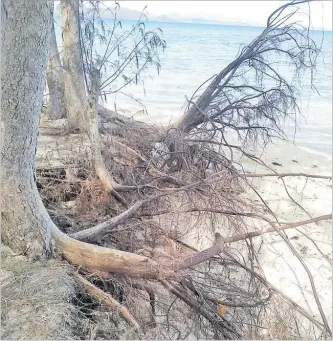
(298, 141)
(293, 159)
(279, 264)
(314, 152)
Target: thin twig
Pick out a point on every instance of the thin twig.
(281, 175)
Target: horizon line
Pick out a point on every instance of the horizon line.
(216, 23)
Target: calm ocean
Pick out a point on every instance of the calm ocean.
(195, 52)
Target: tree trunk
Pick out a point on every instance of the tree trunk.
(91, 122)
(75, 94)
(26, 225)
(25, 47)
(55, 82)
(195, 115)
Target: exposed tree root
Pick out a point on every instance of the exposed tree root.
(216, 321)
(108, 261)
(102, 229)
(98, 258)
(107, 300)
(152, 297)
(153, 171)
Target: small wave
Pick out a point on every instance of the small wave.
(316, 152)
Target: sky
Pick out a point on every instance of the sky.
(251, 12)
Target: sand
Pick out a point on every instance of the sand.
(281, 268)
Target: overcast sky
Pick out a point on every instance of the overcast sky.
(252, 12)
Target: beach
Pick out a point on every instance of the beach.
(278, 263)
(280, 266)
(166, 180)
(160, 99)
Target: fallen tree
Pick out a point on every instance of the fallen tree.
(212, 185)
(252, 96)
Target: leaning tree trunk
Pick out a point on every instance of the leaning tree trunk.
(25, 26)
(55, 81)
(191, 119)
(196, 113)
(75, 94)
(91, 122)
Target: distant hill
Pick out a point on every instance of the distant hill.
(125, 13)
(217, 22)
(129, 14)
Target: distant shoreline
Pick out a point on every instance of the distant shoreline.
(213, 23)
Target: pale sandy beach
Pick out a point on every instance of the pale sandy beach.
(281, 268)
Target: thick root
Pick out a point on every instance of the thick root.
(108, 300)
(98, 258)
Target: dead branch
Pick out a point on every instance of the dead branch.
(218, 247)
(149, 167)
(105, 227)
(151, 293)
(278, 230)
(281, 175)
(251, 96)
(307, 270)
(275, 228)
(202, 256)
(219, 323)
(316, 246)
(292, 303)
(108, 301)
(101, 229)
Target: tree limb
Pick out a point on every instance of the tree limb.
(281, 175)
(217, 248)
(108, 300)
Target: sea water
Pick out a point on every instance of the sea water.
(196, 52)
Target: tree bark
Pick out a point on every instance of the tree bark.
(92, 130)
(26, 225)
(195, 115)
(93, 133)
(55, 81)
(108, 301)
(75, 93)
(25, 45)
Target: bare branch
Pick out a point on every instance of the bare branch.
(282, 175)
(108, 300)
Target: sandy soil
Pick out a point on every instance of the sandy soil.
(280, 266)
